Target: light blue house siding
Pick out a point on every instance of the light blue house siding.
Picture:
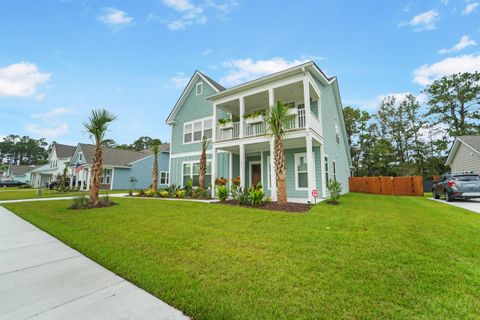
(176, 170)
(290, 167)
(142, 171)
(331, 118)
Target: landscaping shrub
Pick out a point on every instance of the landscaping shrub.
(141, 193)
(150, 193)
(164, 193)
(222, 192)
(242, 196)
(79, 203)
(236, 181)
(335, 189)
(172, 190)
(188, 188)
(180, 194)
(256, 196)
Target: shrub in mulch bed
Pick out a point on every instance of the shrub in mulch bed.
(273, 206)
(84, 203)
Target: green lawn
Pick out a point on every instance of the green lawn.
(372, 257)
(17, 194)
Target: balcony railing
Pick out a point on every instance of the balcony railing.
(232, 131)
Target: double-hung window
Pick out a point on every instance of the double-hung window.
(199, 89)
(106, 176)
(326, 169)
(191, 171)
(334, 166)
(195, 131)
(301, 171)
(187, 133)
(164, 177)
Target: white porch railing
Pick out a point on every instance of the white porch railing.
(228, 133)
(257, 129)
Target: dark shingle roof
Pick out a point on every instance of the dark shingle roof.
(64, 151)
(20, 170)
(215, 83)
(472, 141)
(118, 157)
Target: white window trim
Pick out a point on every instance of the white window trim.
(202, 120)
(199, 85)
(250, 172)
(297, 157)
(191, 162)
(167, 177)
(326, 170)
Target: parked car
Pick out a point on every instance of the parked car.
(11, 183)
(454, 186)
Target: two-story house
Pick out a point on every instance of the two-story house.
(316, 147)
(58, 159)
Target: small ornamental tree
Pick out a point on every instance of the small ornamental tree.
(335, 189)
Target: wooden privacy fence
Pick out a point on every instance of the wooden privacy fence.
(400, 186)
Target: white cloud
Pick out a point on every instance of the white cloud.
(115, 18)
(52, 113)
(465, 42)
(470, 8)
(205, 52)
(192, 14)
(423, 21)
(21, 79)
(243, 70)
(426, 74)
(47, 132)
(180, 80)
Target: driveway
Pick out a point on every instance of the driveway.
(472, 204)
(42, 278)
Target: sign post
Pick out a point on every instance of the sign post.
(315, 195)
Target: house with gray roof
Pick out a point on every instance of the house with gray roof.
(465, 154)
(18, 173)
(122, 169)
(58, 159)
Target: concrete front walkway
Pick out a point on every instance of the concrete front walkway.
(42, 278)
(472, 204)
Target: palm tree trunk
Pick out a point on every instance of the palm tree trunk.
(155, 172)
(96, 172)
(280, 171)
(203, 170)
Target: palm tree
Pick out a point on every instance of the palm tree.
(203, 164)
(155, 143)
(277, 121)
(97, 126)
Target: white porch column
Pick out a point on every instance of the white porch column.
(306, 101)
(324, 181)
(310, 167)
(242, 111)
(89, 177)
(230, 168)
(214, 169)
(242, 165)
(76, 180)
(71, 180)
(273, 183)
(82, 177)
(214, 123)
(271, 97)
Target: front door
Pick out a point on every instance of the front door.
(256, 174)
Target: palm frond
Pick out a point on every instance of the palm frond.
(278, 119)
(97, 124)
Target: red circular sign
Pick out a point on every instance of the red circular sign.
(314, 193)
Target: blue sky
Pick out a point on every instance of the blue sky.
(59, 59)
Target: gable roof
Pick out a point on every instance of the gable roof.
(64, 151)
(118, 157)
(213, 84)
(20, 170)
(472, 142)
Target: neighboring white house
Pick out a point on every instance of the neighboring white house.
(18, 173)
(58, 159)
(465, 154)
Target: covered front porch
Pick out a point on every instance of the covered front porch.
(252, 161)
(81, 176)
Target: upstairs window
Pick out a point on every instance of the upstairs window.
(195, 131)
(199, 89)
(337, 134)
(187, 133)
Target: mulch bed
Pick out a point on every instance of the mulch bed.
(274, 206)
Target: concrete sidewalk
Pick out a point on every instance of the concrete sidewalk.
(114, 195)
(42, 278)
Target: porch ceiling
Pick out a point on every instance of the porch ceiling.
(250, 148)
